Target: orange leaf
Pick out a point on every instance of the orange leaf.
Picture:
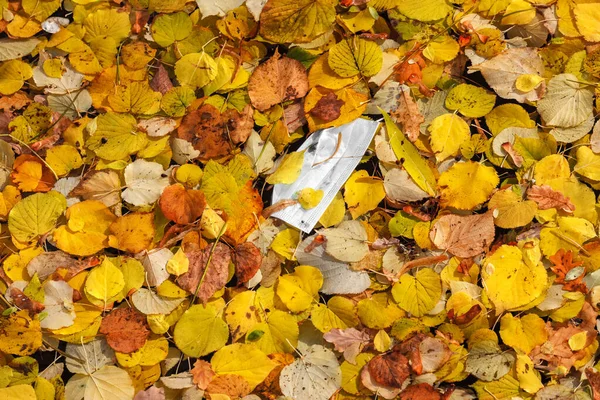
(30, 174)
(181, 205)
(126, 330)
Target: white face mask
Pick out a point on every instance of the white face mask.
(328, 176)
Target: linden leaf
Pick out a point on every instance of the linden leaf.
(21, 335)
(317, 375)
(418, 294)
(244, 360)
(299, 289)
(35, 215)
(471, 101)
(466, 185)
(355, 56)
(200, 331)
(276, 81)
(297, 21)
(447, 133)
(506, 266)
(363, 193)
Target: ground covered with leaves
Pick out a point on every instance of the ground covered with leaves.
(142, 144)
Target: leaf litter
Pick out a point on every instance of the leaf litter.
(156, 168)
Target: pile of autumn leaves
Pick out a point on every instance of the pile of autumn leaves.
(459, 261)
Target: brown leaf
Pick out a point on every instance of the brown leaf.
(247, 260)
(516, 158)
(234, 386)
(407, 114)
(104, 186)
(420, 391)
(556, 350)
(46, 263)
(216, 276)
(277, 80)
(463, 236)
(328, 108)
(152, 393)
(202, 374)
(563, 263)
(594, 379)
(390, 369)
(212, 133)
(349, 341)
(160, 81)
(270, 268)
(239, 125)
(547, 198)
(293, 116)
(23, 301)
(180, 205)
(126, 330)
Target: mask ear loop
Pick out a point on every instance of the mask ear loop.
(337, 147)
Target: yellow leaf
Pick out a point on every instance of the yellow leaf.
(382, 341)
(104, 23)
(528, 82)
(418, 294)
(441, 49)
(135, 97)
(86, 231)
(310, 198)
(289, 169)
(355, 56)
(506, 268)
(116, 137)
(13, 74)
(471, 101)
(588, 163)
(299, 289)
(523, 333)
(363, 193)
(424, 10)
(18, 392)
(104, 282)
(351, 373)
(518, 12)
(133, 232)
(20, 334)
(379, 312)
(169, 28)
(278, 334)
(506, 116)
(296, 21)
(244, 360)
(570, 234)
(196, 70)
(286, 242)
(447, 133)
(35, 215)
(587, 17)
(510, 210)
(200, 331)
(334, 214)
(529, 378)
(466, 185)
(242, 313)
(63, 158)
(321, 74)
(412, 162)
(178, 264)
